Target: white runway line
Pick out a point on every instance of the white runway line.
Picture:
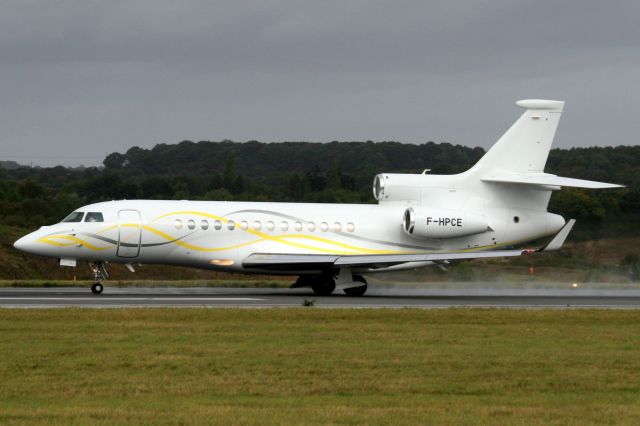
(133, 299)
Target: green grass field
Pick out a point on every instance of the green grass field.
(311, 365)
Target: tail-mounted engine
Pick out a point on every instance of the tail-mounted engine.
(440, 224)
(400, 187)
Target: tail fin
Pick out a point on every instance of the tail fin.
(521, 153)
(514, 166)
(524, 148)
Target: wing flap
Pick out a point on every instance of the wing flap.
(394, 259)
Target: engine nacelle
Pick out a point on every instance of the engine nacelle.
(403, 187)
(440, 224)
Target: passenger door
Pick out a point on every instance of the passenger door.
(129, 233)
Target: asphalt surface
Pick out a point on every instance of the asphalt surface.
(375, 298)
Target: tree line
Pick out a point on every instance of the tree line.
(304, 172)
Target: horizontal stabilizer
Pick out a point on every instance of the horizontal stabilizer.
(546, 179)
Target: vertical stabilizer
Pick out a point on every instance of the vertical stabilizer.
(524, 148)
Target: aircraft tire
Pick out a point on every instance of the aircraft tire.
(97, 288)
(357, 291)
(304, 281)
(323, 285)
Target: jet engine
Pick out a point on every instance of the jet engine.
(439, 223)
(401, 187)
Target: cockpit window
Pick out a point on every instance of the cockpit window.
(74, 217)
(94, 217)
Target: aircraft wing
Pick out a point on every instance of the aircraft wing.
(314, 261)
(267, 261)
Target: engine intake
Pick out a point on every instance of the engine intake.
(390, 187)
(440, 224)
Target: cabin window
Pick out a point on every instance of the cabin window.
(351, 227)
(284, 225)
(177, 224)
(74, 217)
(191, 224)
(298, 226)
(311, 226)
(271, 226)
(217, 225)
(257, 226)
(324, 226)
(337, 227)
(204, 225)
(231, 225)
(244, 225)
(94, 217)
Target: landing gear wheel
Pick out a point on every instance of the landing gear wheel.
(304, 281)
(97, 288)
(323, 285)
(357, 291)
(99, 274)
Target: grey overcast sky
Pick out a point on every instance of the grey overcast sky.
(81, 79)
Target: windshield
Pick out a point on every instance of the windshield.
(74, 217)
(94, 217)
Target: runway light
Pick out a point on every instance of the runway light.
(574, 285)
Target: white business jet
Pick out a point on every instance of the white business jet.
(420, 220)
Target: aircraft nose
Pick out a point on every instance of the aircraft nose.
(24, 244)
(21, 243)
(30, 244)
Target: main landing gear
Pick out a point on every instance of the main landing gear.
(99, 275)
(359, 290)
(324, 284)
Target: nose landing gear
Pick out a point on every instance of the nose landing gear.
(99, 275)
(97, 288)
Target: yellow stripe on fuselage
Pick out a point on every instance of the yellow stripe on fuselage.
(50, 239)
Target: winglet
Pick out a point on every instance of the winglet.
(557, 241)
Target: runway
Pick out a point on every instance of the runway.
(115, 297)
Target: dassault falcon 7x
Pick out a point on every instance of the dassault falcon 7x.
(420, 220)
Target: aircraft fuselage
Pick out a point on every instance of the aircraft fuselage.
(219, 235)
